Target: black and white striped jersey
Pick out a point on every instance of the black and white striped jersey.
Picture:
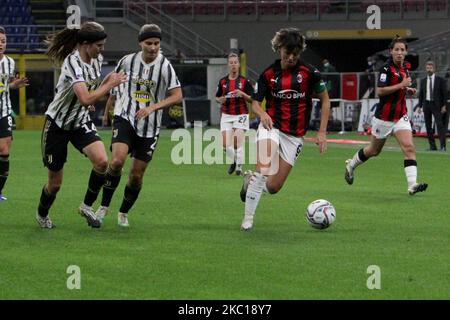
(7, 66)
(65, 109)
(147, 84)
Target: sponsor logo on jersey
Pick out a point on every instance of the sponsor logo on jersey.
(142, 96)
(230, 95)
(288, 94)
(143, 82)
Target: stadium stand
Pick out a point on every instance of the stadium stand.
(268, 7)
(16, 17)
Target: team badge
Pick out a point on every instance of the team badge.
(299, 78)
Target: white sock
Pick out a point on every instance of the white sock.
(254, 191)
(355, 161)
(239, 156)
(230, 153)
(411, 175)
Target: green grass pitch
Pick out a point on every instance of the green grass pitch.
(184, 241)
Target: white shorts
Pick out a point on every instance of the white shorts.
(230, 122)
(289, 146)
(383, 129)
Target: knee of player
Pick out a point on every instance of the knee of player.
(135, 183)
(274, 187)
(135, 180)
(4, 150)
(53, 187)
(409, 148)
(117, 163)
(101, 165)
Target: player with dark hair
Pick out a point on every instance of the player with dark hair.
(67, 116)
(8, 80)
(233, 93)
(391, 117)
(288, 86)
(138, 107)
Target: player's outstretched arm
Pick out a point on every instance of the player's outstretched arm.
(112, 80)
(266, 121)
(174, 96)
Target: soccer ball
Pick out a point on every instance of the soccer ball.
(320, 214)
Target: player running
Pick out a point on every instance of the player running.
(233, 91)
(391, 117)
(67, 117)
(288, 86)
(139, 102)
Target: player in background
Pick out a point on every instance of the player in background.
(138, 107)
(391, 117)
(288, 86)
(67, 117)
(233, 91)
(8, 81)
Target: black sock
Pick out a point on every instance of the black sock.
(129, 198)
(362, 156)
(96, 181)
(408, 163)
(45, 202)
(4, 171)
(112, 180)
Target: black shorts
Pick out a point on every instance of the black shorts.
(6, 124)
(55, 140)
(139, 148)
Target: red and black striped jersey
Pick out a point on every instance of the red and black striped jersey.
(233, 104)
(392, 106)
(288, 95)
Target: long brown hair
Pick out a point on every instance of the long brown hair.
(62, 43)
